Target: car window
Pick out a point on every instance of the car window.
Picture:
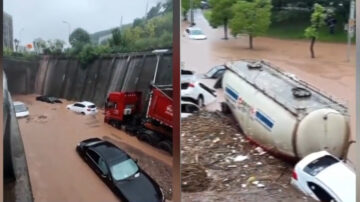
(320, 164)
(187, 31)
(196, 32)
(211, 91)
(184, 85)
(79, 105)
(219, 73)
(93, 155)
(188, 108)
(20, 108)
(320, 193)
(102, 166)
(91, 106)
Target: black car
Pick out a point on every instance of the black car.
(119, 171)
(48, 99)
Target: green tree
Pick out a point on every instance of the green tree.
(221, 13)
(186, 6)
(252, 18)
(79, 37)
(317, 21)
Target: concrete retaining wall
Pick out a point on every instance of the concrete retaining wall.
(65, 78)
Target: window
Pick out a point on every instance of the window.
(124, 169)
(320, 164)
(91, 106)
(93, 155)
(102, 166)
(322, 194)
(79, 105)
(184, 85)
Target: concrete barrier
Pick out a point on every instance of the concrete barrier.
(66, 78)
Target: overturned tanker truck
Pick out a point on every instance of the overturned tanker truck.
(282, 114)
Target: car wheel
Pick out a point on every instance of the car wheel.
(83, 113)
(200, 101)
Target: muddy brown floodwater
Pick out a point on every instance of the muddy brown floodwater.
(329, 71)
(57, 173)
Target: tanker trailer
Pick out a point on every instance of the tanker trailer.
(282, 114)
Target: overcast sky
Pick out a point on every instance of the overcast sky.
(44, 18)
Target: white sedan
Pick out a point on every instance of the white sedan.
(84, 108)
(21, 109)
(195, 33)
(325, 178)
(203, 94)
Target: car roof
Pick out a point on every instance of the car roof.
(18, 103)
(110, 152)
(86, 103)
(340, 179)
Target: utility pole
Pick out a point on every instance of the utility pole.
(69, 27)
(192, 13)
(350, 27)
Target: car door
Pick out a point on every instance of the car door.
(321, 193)
(208, 93)
(97, 163)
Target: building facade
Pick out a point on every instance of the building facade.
(8, 37)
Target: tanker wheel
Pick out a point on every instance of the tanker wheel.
(166, 146)
(225, 108)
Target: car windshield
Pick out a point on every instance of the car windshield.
(20, 108)
(316, 166)
(124, 169)
(196, 32)
(213, 70)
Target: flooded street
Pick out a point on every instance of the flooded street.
(329, 71)
(57, 173)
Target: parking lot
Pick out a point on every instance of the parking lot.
(57, 173)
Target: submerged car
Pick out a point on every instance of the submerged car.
(195, 33)
(325, 178)
(188, 107)
(203, 94)
(84, 108)
(48, 99)
(21, 109)
(119, 171)
(215, 72)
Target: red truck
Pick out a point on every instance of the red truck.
(123, 110)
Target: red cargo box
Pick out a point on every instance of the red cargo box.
(160, 107)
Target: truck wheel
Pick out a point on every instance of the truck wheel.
(115, 124)
(225, 108)
(165, 145)
(150, 137)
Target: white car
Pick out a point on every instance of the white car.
(21, 109)
(188, 108)
(84, 108)
(195, 33)
(325, 178)
(199, 92)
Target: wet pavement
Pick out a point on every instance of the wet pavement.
(57, 173)
(329, 71)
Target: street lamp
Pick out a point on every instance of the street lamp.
(69, 26)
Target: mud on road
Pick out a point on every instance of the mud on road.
(57, 173)
(220, 164)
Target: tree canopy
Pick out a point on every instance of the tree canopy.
(252, 18)
(221, 13)
(79, 37)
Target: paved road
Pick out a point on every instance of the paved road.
(57, 173)
(329, 71)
